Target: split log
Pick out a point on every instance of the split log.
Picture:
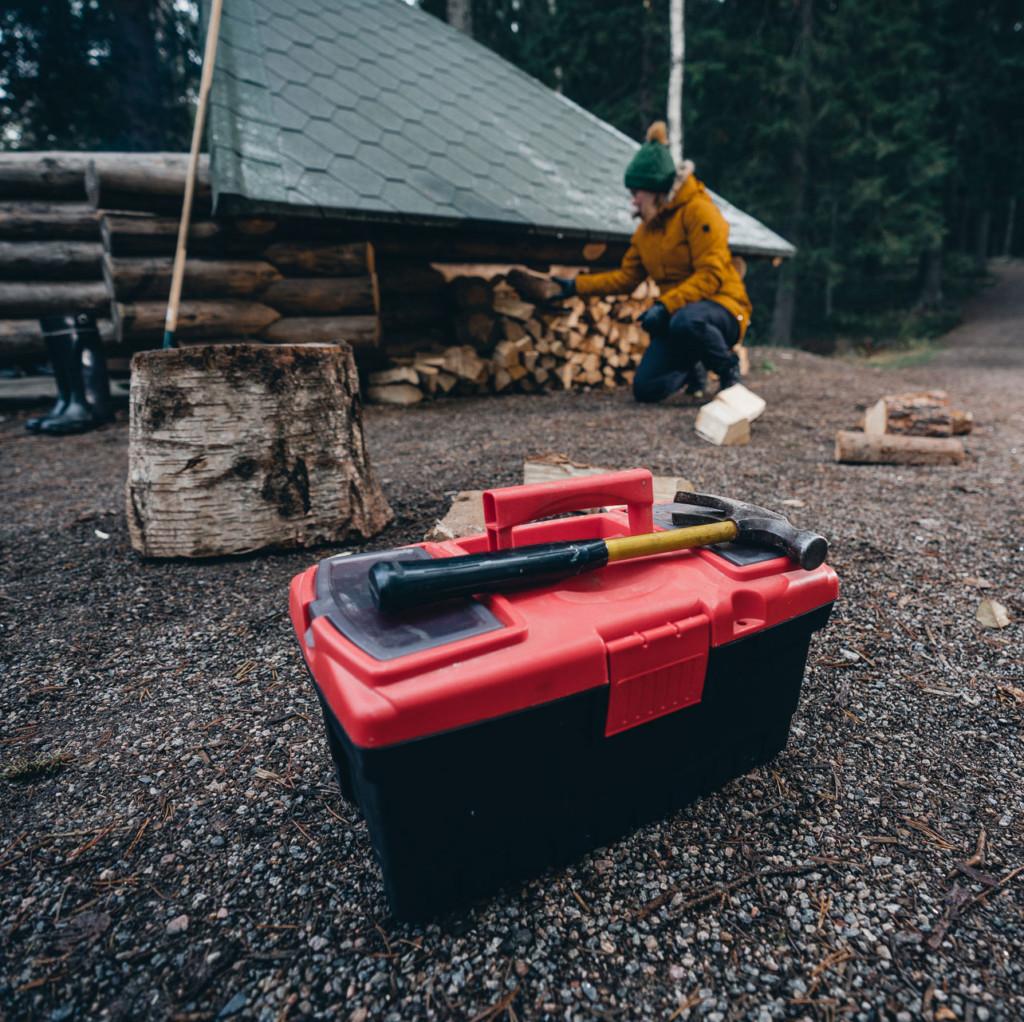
(359, 331)
(48, 221)
(885, 449)
(50, 260)
(21, 340)
(319, 295)
(742, 401)
(141, 278)
(403, 374)
(22, 300)
(465, 517)
(534, 288)
(722, 425)
(50, 175)
(472, 293)
(236, 448)
(476, 329)
(296, 258)
(150, 182)
(919, 413)
(144, 321)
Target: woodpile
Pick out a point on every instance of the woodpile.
(235, 448)
(916, 428)
(514, 335)
(919, 413)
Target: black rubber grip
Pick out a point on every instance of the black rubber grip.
(401, 585)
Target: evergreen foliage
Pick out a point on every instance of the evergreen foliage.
(885, 140)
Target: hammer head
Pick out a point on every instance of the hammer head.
(754, 524)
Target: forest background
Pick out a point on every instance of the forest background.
(885, 140)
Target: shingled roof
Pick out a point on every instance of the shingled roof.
(374, 110)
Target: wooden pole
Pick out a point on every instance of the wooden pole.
(178, 274)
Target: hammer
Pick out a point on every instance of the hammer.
(704, 519)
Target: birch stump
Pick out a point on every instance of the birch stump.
(241, 447)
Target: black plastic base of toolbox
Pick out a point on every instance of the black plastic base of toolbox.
(458, 814)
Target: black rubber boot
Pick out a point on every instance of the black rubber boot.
(67, 351)
(696, 380)
(94, 369)
(63, 387)
(729, 373)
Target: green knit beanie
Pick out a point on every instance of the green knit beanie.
(652, 168)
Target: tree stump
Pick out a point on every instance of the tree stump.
(241, 447)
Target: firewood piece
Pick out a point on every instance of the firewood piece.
(472, 293)
(475, 328)
(142, 278)
(502, 379)
(294, 258)
(21, 340)
(465, 517)
(886, 449)
(720, 424)
(235, 448)
(464, 363)
(359, 331)
(514, 308)
(395, 394)
(534, 288)
(150, 182)
(744, 356)
(144, 321)
(566, 374)
(744, 402)
(319, 295)
(923, 413)
(50, 260)
(403, 374)
(445, 381)
(24, 299)
(593, 251)
(48, 221)
(512, 329)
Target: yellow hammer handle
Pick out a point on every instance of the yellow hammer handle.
(670, 539)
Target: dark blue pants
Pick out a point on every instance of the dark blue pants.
(699, 332)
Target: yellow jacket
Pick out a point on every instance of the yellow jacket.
(685, 248)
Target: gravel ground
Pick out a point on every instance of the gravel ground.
(181, 851)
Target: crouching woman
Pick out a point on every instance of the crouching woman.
(682, 242)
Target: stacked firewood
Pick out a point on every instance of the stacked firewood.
(50, 249)
(518, 337)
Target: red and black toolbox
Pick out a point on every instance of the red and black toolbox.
(488, 738)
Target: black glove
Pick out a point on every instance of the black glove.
(567, 284)
(655, 319)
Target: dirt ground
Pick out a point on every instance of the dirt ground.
(189, 856)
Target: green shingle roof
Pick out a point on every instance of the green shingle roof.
(372, 109)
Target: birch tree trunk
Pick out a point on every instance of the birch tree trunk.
(234, 448)
(677, 31)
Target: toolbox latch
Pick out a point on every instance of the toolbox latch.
(656, 672)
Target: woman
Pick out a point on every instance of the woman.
(683, 243)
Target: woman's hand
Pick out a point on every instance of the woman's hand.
(655, 319)
(567, 284)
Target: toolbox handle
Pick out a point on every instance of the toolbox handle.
(509, 506)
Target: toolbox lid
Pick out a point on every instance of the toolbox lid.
(343, 597)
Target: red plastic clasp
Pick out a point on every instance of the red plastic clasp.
(510, 506)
